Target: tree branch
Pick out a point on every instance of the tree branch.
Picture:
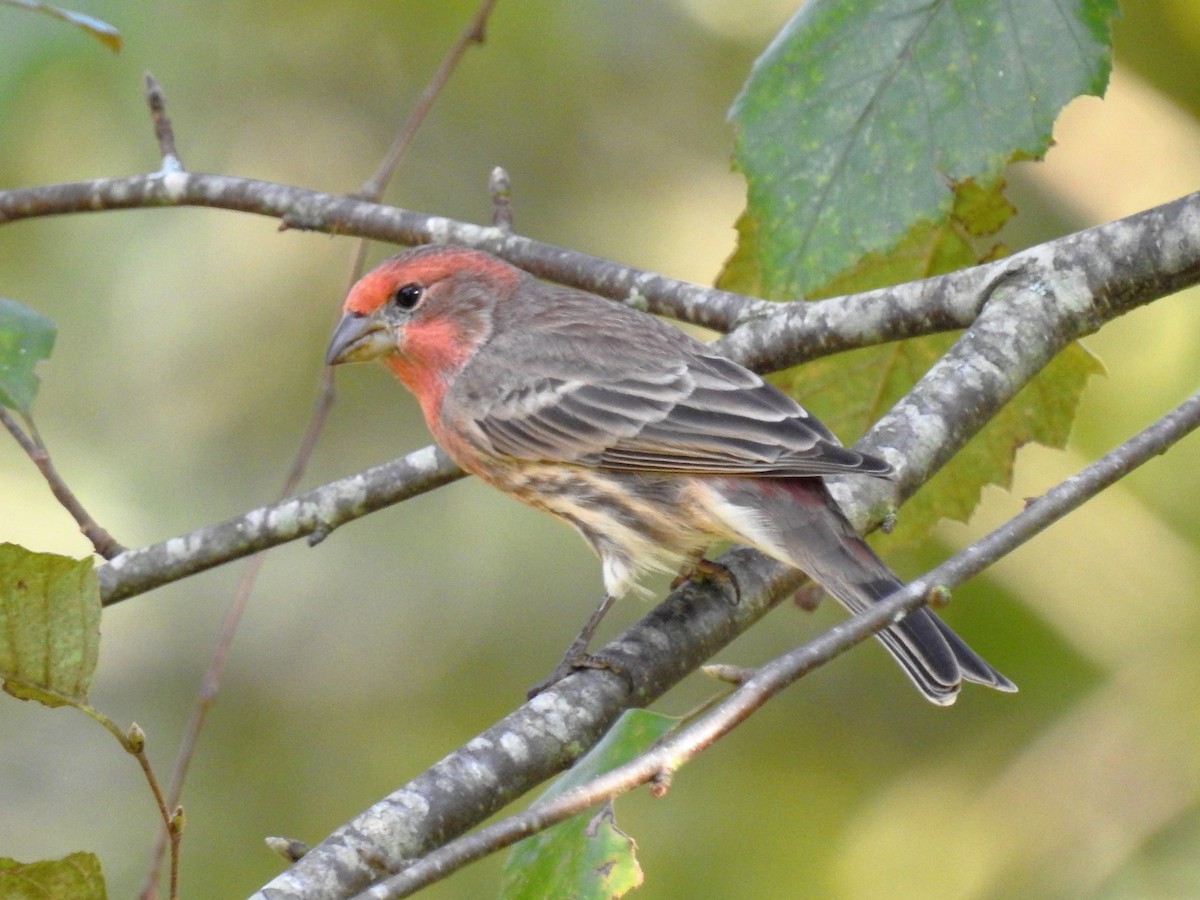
(540, 738)
(1162, 243)
(164, 132)
(472, 33)
(1033, 304)
(457, 787)
(314, 514)
(671, 754)
(1023, 309)
(1118, 267)
(1030, 311)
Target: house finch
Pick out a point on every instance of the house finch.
(649, 443)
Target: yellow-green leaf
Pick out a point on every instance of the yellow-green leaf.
(850, 391)
(74, 877)
(49, 625)
(861, 115)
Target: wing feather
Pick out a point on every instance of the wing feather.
(662, 403)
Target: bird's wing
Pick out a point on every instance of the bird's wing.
(670, 406)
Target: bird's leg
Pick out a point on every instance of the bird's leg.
(576, 656)
(698, 569)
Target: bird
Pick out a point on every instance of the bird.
(649, 443)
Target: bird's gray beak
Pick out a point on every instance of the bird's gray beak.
(358, 338)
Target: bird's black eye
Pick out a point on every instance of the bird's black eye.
(408, 296)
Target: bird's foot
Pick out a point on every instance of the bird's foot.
(577, 656)
(575, 661)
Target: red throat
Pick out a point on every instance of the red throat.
(432, 351)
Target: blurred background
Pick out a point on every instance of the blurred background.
(189, 350)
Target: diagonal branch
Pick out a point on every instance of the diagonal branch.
(670, 755)
(102, 542)
(538, 739)
(313, 514)
(472, 33)
(423, 813)
(1030, 312)
(1033, 304)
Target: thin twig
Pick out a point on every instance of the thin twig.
(205, 698)
(103, 542)
(133, 740)
(473, 33)
(769, 679)
(164, 133)
(210, 685)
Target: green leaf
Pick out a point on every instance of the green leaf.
(49, 626)
(76, 876)
(873, 135)
(93, 26)
(26, 336)
(1041, 412)
(861, 117)
(850, 391)
(586, 856)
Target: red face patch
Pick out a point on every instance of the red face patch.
(425, 265)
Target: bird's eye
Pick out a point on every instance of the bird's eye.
(408, 296)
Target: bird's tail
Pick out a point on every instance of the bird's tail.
(801, 524)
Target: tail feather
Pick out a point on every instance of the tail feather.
(808, 531)
(974, 667)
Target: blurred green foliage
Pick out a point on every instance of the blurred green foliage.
(188, 352)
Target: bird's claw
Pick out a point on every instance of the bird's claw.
(575, 661)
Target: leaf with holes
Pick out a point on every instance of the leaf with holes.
(862, 116)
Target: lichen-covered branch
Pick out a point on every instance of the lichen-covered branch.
(312, 514)
(666, 758)
(1131, 261)
(538, 739)
(1031, 309)
(1025, 309)
(1020, 311)
(1118, 266)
